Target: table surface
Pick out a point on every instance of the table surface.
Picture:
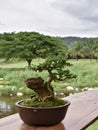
(81, 113)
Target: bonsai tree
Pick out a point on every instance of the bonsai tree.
(45, 109)
(55, 66)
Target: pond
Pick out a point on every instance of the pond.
(7, 105)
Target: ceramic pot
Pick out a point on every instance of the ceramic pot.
(42, 116)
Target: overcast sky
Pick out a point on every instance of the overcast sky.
(50, 17)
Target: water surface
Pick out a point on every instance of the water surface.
(7, 105)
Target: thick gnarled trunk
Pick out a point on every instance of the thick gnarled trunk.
(42, 89)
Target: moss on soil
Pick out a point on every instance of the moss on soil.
(35, 103)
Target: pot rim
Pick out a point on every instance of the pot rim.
(67, 103)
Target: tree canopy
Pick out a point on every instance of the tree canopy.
(29, 45)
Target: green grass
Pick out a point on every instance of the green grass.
(87, 73)
(94, 126)
(14, 64)
(18, 63)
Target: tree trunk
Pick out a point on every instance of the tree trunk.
(29, 63)
(42, 89)
(97, 58)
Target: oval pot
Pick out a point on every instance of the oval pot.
(42, 116)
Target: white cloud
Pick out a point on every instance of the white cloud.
(51, 17)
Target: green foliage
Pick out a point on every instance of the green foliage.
(54, 65)
(84, 49)
(76, 50)
(31, 45)
(28, 46)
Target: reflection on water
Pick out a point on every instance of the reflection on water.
(7, 105)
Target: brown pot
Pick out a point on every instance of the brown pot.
(42, 116)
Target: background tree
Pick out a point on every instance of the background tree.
(76, 50)
(96, 49)
(89, 48)
(29, 45)
(7, 46)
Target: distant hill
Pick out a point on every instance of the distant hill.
(69, 40)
